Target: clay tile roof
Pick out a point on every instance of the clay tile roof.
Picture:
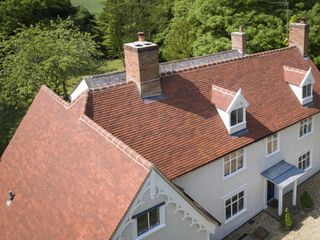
(221, 97)
(293, 75)
(184, 131)
(70, 181)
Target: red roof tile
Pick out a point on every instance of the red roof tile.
(293, 75)
(184, 131)
(70, 181)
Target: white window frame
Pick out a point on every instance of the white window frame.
(243, 117)
(311, 157)
(278, 144)
(311, 91)
(230, 195)
(302, 123)
(231, 174)
(152, 230)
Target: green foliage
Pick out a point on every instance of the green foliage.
(287, 220)
(18, 13)
(306, 200)
(122, 19)
(47, 55)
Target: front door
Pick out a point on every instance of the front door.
(270, 191)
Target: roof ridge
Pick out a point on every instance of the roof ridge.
(294, 69)
(109, 86)
(117, 142)
(223, 90)
(227, 60)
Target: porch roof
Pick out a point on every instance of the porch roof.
(282, 173)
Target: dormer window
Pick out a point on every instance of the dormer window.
(301, 82)
(231, 107)
(236, 116)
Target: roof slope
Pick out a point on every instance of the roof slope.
(69, 181)
(184, 131)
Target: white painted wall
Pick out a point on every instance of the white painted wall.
(209, 188)
(82, 87)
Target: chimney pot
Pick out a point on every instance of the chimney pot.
(241, 28)
(303, 20)
(141, 36)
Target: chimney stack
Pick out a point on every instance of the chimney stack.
(142, 66)
(299, 36)
(239, 41)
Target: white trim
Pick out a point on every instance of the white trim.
(304, 80)
(309, 133)
(311, 158)
(244, 166)
(230, 195)
(278, 144)
(152, 230)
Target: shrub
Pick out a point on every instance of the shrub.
(287, 218)
(306, 200)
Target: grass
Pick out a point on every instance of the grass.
(94, 6)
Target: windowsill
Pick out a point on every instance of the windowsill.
(273, 153)
(234, 173)
(307, 169)
(306, 135)
(153, 230)
(235, 216)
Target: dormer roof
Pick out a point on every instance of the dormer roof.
(222, 98)
(297, 77)
(227, 100)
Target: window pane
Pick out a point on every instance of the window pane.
(154, 218)
(304, 91)
(240, 194)
(241, 204)
(227, 168)
(234, 198)
(233, 117)
(269, 147)
(309, 126)
(228, 212)
(240, 163)
(228, 201)
(233, 165)
(240, 115)
(142, 223)
(234, 208)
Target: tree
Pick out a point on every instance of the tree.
(48, 55)
(18, 13)
(120, 21)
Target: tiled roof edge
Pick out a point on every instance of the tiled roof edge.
(223, 90)
(226, 61)
(60, 100)
(117, 142)
(107, 87)
(294, 69)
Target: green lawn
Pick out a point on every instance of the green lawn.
(94, 6)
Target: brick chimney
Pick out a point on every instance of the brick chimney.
(239, 41)
(142, 66)
(299, 36)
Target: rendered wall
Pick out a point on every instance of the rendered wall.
(209, 188)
